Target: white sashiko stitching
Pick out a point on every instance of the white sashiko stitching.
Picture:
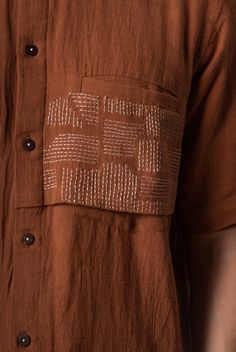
(112, 153)
(49, 178)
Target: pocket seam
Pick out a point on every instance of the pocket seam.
(133, 82)
(93, 85)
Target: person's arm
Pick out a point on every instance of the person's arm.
(212, 274)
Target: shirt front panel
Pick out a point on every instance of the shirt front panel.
(110, 128)
(104, 102)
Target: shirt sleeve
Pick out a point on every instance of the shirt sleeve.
(206, 192)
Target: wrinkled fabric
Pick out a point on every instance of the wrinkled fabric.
(113, 92)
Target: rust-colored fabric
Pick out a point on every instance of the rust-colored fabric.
(93, 165)
(206, 198)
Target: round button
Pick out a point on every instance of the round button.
(28, 144)
(28, 238)
(23, 340)
(31, 50)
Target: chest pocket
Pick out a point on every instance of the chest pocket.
(113, 145)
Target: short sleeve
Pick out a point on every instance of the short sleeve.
(206, 192)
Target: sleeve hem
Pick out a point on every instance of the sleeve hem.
(209, 218)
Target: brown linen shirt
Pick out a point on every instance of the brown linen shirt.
(114, 116)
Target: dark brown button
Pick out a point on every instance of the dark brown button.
(28, 238)
(23, 340)
(31, 50)
(28, 144)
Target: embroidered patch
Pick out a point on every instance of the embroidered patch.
(111, 153)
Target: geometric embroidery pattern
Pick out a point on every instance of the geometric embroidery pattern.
(60, 113)
(72, 147)
(112, 153)
(49, 179)
(119, 137)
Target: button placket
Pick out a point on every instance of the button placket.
(31, 85)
